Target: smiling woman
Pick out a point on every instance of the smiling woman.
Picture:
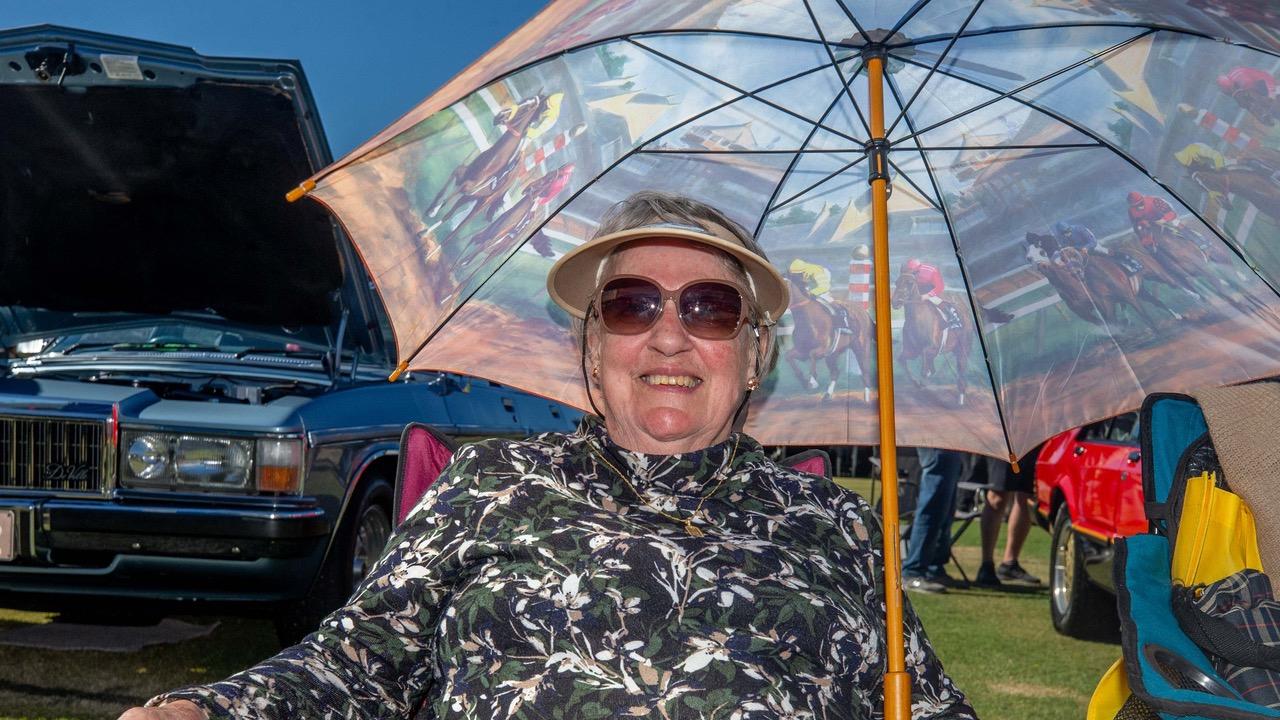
(655, 561)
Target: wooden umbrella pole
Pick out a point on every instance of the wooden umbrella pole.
(897, 683)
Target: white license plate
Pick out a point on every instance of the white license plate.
(7, 543)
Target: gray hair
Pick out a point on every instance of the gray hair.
(649, 207)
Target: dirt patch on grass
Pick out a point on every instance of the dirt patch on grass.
(1032, 690)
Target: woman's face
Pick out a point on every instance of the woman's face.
(665, 391)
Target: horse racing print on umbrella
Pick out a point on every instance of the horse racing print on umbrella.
(1078, 189)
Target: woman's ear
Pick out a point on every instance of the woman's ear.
(591, 351)
(761, 342)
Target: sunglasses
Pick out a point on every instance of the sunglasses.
(708, 309)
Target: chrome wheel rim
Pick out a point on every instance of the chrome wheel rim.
(371, 538)
(1064, 559)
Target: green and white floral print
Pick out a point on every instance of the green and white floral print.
(531, 582)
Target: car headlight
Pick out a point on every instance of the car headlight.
(212, 462)
(148, 457)
(182, 461)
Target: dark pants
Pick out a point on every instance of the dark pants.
(929, 546)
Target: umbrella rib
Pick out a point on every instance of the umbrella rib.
(791, 199)
(1151, 26)
(678, 151)
(964, 273)
(847, 13)
(750, 93)
(708, 111)
(923, 193)
(1004, 95)
(848, 93)
(792, 166)
(910, 13)
(902, 112)
(1009, 147)
(1120, 152)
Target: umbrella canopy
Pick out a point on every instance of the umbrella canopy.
(1085, 198)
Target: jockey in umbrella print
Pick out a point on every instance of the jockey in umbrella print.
(1077, 236)
(816, 281)
(1254, 90)
(1149, 215)
(1255, 177)
(931, 285)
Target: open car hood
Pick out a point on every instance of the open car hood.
(141, 177)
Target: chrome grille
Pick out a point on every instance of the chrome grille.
(39, 453)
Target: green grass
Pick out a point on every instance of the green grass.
(999, 647)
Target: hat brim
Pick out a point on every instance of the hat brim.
(574, 278)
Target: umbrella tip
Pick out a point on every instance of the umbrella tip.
(395, 374)
(1013, 464)
(303, 188)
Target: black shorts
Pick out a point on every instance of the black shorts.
(1001, 477)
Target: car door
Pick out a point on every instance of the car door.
(1091, 453)
(1130, 516)
(1110, 467)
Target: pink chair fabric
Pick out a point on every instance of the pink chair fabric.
(424, 452)
(814, 462)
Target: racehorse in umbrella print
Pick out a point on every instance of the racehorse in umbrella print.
(1092, 285)
(926, 333)
(486, 178)
(511, 224)
(1256, 184)
(819, 335)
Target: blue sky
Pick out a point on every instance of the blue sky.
(368, 62)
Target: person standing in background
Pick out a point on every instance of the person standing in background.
(929, 547)
(1008, 492)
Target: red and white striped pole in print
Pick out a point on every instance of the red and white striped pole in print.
(860, 276)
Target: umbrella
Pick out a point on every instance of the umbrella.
(1083, 198)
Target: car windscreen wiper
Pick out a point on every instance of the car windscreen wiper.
(240, 354)
(152, 346)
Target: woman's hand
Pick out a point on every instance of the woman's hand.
(176, 710)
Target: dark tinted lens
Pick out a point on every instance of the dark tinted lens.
(629, 305)
(711, 310)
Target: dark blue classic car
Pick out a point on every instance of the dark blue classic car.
(193, 395)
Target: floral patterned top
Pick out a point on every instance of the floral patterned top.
(532, 582)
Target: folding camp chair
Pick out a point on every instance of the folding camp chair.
(1163, 674)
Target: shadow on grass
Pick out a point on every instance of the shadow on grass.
(59, 695)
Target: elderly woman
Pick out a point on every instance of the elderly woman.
(654, 562)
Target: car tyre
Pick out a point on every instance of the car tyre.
(357, 547)
(1079, 608)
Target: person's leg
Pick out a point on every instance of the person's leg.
(992, 517)
(950, 464)
(1022, 487)
(931, 504)
(1019, 527)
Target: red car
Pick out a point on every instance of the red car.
(1088, 493)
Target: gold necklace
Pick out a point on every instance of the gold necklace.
(689, 527)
